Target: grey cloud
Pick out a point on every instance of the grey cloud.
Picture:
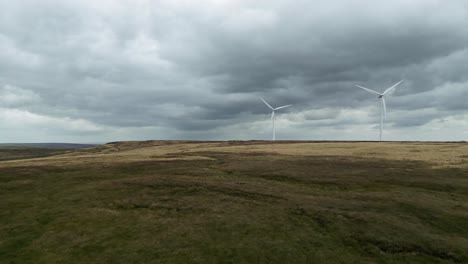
(203, 66)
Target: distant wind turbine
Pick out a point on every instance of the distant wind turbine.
(383, 109)
(273, 115)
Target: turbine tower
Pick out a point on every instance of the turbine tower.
(383, 109)
(273, 115)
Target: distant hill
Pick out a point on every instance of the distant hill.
(49, 145)
(15, 151)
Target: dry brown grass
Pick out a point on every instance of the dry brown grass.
(437, 154)
(453, 155)
(238, 202)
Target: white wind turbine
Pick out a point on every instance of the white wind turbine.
(273, 115)
(383, 109)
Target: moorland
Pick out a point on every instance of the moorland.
(236, 202)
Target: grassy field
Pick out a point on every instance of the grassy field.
(21, 152)
(237, 202)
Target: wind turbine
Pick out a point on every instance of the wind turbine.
(383, 109)
(273, 115)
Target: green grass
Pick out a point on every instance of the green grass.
(249, 208)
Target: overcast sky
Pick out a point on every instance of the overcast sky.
(103, 70)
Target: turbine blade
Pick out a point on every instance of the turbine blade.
(369, 90)
(272, 115)
(384, 108)
(392, 88)
(267, 104)
(281, 107)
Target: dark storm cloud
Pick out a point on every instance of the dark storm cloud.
(190, 66)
